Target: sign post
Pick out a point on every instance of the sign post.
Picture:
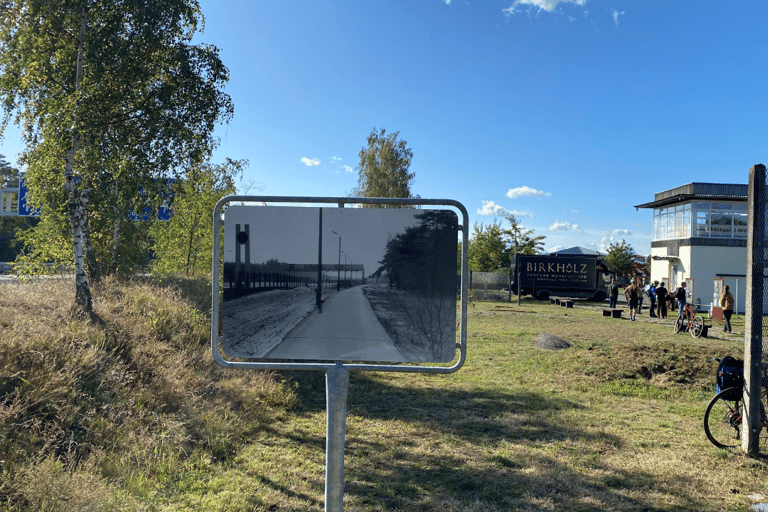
(279, 325)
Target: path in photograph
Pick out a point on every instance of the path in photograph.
(347, 329)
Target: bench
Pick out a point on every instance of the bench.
(612, 312)
(566, 303)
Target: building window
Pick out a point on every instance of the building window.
(700, 219)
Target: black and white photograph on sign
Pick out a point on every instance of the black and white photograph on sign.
(340, 284)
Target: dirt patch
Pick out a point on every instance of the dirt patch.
(546, 341)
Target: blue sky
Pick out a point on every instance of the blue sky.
(565, 112)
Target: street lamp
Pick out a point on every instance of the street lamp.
(338, 267)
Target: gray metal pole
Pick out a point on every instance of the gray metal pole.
(753, 336)
(336, 392)
(318, 292)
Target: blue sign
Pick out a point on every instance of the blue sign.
(163, 213)
(25, 210)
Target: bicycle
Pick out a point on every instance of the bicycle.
(689, 321)
(724, 414)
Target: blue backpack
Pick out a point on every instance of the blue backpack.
(730, 374)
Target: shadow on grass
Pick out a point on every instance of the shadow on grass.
(482, 450)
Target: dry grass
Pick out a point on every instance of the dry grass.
(130, 394)
(127, 411)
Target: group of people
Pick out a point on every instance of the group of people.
(661, 300)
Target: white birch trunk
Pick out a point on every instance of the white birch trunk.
(78, 202)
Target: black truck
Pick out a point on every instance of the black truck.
(582, 276)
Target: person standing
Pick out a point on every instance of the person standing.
(613, 293)
(726, 302)
(661, 298)
(680, 295)
(632, 293)
(652, 298)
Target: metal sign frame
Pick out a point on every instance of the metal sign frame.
(218, 223)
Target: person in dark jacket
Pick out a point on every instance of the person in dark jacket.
(633, 293)
(680, 295)
(613, 293)
(652, 297)
(661, 298)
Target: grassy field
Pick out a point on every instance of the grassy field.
(127, 411)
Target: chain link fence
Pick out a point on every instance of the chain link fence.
(490, 285)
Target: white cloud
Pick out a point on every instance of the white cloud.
(447, 2)
(565, 226)
(541, 5)
(555, 248)
(614, 237)
(491, 208)
(514, 193)
(309, 162)
(616, 15)
(347, 169)
(335, 159)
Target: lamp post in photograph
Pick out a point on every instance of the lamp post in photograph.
(338, 267)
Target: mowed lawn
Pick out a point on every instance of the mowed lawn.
(612, 423)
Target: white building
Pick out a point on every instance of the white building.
(700, 237)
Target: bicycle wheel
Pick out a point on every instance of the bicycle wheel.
(679, 324)
(698, 326)
(722, 419)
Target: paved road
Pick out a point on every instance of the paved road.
(346, 330)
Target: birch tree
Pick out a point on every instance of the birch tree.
(384, 168)
(110, 96)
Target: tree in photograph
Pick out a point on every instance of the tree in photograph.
(422, 278)
(418, 258)
(184, 244)
(110, 97)
(620, 258)
(383, 169)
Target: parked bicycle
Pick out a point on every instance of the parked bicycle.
(723, 417)
(689, 321)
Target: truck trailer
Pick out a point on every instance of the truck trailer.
(581, 277)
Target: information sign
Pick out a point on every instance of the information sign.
(339, 284)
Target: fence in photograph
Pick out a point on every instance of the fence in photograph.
(237, 284)
(490, 285)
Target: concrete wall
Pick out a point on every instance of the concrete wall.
(707, 262)
(702, 264)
